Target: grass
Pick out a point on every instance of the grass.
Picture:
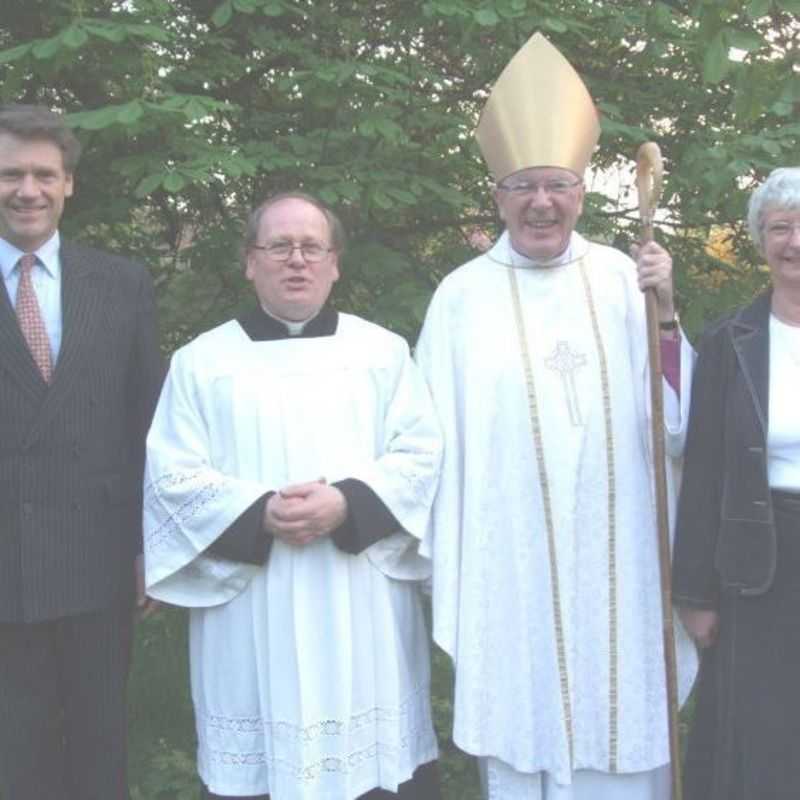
(162, 742)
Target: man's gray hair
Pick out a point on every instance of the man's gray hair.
(780, 190)
(37, 122)
(335, 226)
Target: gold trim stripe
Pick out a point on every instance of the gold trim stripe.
(533, 407)
(613, 672)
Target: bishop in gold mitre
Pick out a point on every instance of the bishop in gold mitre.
(545, 566)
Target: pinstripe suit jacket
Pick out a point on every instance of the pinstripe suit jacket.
(71, 453)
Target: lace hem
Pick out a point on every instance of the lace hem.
(287, 731)
(306, 773)
(411, 722)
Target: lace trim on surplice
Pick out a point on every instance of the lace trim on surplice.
(173, 518)
(412, 719)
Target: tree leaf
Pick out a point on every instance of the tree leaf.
(222, 14)
(173, 182)
(402, 195)
(172, 102)
(346, 71)
(381, 199)
(194, 109)
(149, 184)
(486, 17)
(14, 53)
(744, 40)
(716, 63)
(389, 129)
(148, 31)
(94, 120)
(110, 31)
(243, 165)
(555, 25)
(328, 196)
(130, 112)
(782, 108)
(272, 9)
(46, 48)
(662, 15)
(74, 36)
(244, 6)
(758, 8)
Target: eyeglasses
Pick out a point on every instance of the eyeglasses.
(556, 186)
(782, 230)
(282, 251)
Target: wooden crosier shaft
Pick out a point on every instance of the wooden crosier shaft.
(648, 182)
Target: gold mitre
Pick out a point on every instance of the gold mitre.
(539, 114)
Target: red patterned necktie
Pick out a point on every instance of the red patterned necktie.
(30, 318)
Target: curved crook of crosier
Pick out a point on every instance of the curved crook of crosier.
(649, 180)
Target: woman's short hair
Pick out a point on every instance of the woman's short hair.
(780, 190)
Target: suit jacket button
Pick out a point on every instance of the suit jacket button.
(27, 509)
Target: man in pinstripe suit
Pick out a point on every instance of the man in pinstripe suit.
(79, 376)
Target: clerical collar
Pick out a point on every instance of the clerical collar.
(503, 253)
(262, 327)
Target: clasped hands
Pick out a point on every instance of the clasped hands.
(304, 512)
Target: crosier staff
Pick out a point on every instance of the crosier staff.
(649, 172)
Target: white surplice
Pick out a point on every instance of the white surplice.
(310, 675)
(557, 670)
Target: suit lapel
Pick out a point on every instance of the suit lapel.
(81, 312)
(81, 305)
(750, 332)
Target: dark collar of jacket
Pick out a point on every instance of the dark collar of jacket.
(749, 330)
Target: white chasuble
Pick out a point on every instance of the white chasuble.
(310, 674)
(546, 578)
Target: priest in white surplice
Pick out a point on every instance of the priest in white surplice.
(546, 579)
(291, 466)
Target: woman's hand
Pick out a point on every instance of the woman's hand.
(702, 625)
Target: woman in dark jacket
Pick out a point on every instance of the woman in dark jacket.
(736, 577)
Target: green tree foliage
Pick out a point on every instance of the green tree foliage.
(193, 110)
